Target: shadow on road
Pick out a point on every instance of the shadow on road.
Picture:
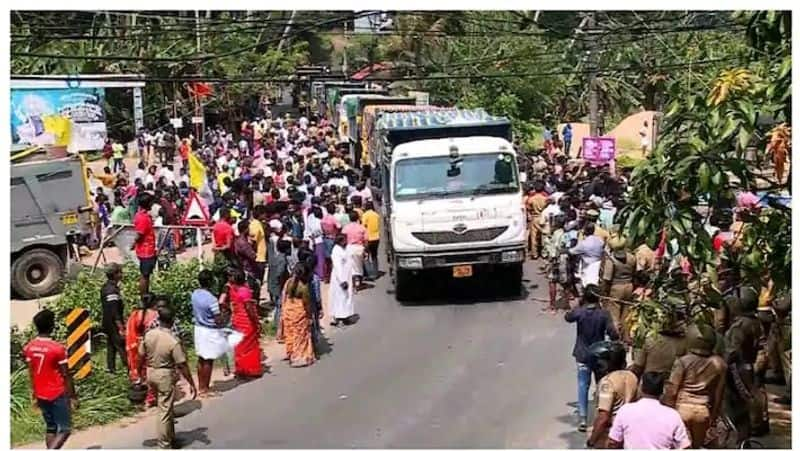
(187, 407)
(324, 346)
(573, 439)
(184, 439)
(443, 291)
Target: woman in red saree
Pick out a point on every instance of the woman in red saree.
(244, 319)
(139, 322)
(296, 318)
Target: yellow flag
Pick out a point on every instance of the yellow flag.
(60, 127)
(197, 172)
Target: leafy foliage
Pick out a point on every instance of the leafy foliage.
(152, 36)
(705, 155)
(103, 396)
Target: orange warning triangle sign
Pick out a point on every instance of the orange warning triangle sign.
(196, 214)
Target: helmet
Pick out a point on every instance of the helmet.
(701, 338)
(746, 302)
(606, 356)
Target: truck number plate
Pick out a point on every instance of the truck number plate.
(462, 271)
(69, 219)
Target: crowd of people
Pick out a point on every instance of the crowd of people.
(292, 217)
(290, 214)
(700, 373)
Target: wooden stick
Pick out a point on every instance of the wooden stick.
(103, 244)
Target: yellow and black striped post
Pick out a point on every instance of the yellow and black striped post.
(79, 343)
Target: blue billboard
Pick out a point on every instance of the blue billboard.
(36, 117)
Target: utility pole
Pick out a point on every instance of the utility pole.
(593, 102)
(198, 107)
(346, 42)
(286, 30)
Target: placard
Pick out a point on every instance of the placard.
(599, 150)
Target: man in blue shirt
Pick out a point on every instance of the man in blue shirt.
(567, 133)
(209, 338)
(548, 140)
(593, 325)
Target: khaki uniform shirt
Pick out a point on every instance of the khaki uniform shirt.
(645, 258)
(698, 380)
(743, 337)
(535, 205)
(161, 349)
(614, 271)
(615, 390)
(659, 353)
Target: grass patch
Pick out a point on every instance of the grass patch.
(94, 155)
(269, 328)
(627, 161)
(628, 144)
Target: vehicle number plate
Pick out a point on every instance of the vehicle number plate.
(462, 271)
(69, 219)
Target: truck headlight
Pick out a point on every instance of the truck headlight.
(511, 256)
(411, 262)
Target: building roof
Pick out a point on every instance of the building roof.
(366, 71)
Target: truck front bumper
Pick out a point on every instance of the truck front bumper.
(505, 255)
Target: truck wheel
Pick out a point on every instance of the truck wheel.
(402, 285)
(513, 277)
(36, 273)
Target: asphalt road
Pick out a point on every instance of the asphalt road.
(464, 371)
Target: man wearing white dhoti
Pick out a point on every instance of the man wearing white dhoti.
(341, 287)
(590, 249)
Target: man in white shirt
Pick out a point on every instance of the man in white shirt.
(168, 174)
(222, 161)
(363, 191)
(140, 173)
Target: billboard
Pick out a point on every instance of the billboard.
(37, 117)
(599, 151)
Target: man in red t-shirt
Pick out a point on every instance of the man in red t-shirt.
(222, 235)
(145, 243)
(50, 379)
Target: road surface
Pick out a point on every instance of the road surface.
(458, 371)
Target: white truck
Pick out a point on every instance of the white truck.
(452, 197)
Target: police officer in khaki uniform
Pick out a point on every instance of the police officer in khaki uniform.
(660, 351)
(616, 388)
(745, 401)
(616, 279)
(697, 383)
(783, 340)
(164, 354)
(536, 203)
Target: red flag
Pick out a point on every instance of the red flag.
(200, 90)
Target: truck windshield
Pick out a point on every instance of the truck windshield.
(491, 173)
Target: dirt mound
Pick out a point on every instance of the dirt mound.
(626, 134)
